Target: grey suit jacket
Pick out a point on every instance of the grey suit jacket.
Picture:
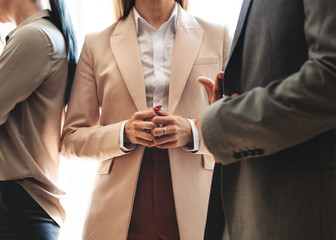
(276, 141)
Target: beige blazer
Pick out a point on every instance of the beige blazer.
(109, 87)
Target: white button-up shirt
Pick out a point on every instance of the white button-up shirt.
(156, 49)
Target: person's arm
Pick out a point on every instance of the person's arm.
(286, 112)
(82, 135)
(24, 64)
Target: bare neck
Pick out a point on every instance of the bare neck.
(155, 12)
(21, 10)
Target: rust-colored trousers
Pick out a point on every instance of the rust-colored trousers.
(154, 216)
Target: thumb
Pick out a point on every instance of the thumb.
(218, 91)
(208, 85)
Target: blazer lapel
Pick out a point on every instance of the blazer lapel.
(242, 17)
(188, 40)
(124, 44)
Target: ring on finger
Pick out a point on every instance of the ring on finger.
(165, 131)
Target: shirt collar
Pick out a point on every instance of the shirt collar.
(33, 18)
(137, 17)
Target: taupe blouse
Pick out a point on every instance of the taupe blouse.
(33, 75)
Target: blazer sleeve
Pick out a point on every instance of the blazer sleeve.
(83, 136)
(286, 112)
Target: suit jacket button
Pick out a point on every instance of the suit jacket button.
(260, 151)
(237, 155)
(252, 152)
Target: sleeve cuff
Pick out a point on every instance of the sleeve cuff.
(196, 140)
(126, 147)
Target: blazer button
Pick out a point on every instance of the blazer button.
(237, 155)
(260, 151)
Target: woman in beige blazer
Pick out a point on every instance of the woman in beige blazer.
(153, 181)
(36, 69)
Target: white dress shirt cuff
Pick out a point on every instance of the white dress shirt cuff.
(195, 138)
(125, 147)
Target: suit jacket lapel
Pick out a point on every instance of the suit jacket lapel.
(188, 40)
(242, 17)
(124, 44)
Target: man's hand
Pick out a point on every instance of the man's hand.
(215, 92)
(213, 89)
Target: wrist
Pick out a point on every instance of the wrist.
(189, 132)
(194, 145)
(126, 136)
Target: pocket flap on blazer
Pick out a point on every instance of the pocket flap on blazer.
(104, 167)
(208, 162)
(206, 60)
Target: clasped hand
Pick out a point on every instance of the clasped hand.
(157, 128)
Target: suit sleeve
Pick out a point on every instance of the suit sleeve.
(82, 135)
(287, 112)
(24, 65)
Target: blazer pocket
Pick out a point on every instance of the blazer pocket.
(207, 60)
(104, 167)
(208, 162)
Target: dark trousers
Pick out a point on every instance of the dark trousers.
(21, 218)
(154, 216)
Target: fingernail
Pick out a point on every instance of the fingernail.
(157, 108)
